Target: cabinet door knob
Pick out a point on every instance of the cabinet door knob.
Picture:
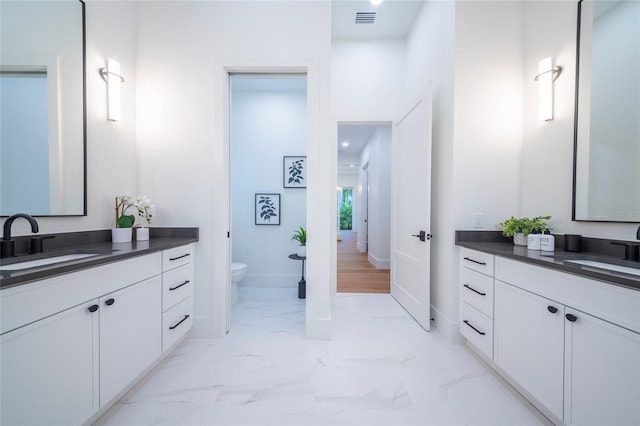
(552, 309)
(571, 317)
(93, 308)
(110, 302)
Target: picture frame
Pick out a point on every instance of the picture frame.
(267, 209)
(294, 171)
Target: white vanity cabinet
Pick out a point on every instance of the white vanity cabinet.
(476, 295)
(571, 343)
(177, 294)
(72, 344)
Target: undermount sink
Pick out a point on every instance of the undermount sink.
(46, 261)
(607, 266)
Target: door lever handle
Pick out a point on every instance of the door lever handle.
(422, 235)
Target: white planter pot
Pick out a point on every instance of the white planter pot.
(142, 234)
(519, 239)
(121, 235)
(302, 251)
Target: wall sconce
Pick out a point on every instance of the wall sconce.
(547, 74)
(111, 75)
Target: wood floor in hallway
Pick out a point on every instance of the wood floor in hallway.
(355, 273)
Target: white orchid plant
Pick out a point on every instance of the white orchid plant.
(145, 208)
(142, 204)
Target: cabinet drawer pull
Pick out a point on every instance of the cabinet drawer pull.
(179, 322)
(179, 257)
(475, 261)
(474, 290)
(571, 317)
(110, 302)
(474, 329)
(552, 309)
(179, 285)
(93, 308)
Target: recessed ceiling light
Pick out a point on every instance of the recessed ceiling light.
(376, 2)
(351, 165)
(345, 143)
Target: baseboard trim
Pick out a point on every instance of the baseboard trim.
(379, 263)
(449, 329)
(270, 281)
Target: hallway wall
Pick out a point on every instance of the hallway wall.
(377, 153)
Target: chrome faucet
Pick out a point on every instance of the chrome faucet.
(7, 245)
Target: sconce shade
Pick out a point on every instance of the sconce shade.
(547, 74)
(111, 74)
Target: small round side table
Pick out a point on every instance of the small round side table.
(302, 284)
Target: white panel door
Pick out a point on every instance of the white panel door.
(48, 369)
(529, 343)
(411, 209)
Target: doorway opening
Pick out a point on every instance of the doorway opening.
(267, 134)
(364, 182)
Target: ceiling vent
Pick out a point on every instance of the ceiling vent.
(366, 17)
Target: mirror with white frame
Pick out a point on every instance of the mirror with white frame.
(607, 129)
(43, 117)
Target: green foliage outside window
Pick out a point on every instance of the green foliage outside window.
(346, 209)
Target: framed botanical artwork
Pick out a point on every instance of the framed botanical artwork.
(294, 172)
(267, 209)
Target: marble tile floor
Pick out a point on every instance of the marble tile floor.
(380, 368)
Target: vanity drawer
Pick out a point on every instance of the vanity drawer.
(177, 285)
(477, 328)
(172, 258)
(477, 260)
(476, 289)
(176, 322)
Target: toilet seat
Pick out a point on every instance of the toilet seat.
(237, 267)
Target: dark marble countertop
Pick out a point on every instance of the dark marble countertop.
(494, 243)
(94, 242)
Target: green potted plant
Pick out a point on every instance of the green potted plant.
(300, 235)
(520, 228)
(124, 222)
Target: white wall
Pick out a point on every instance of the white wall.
(265, 126)
(111, 148)
(184, 50)
(366, 78)
(377, 153)
(550, 30)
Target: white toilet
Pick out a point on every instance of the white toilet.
(238, 271)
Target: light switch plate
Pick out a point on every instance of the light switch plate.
(477, 220)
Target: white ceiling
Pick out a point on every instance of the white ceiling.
(394, 19)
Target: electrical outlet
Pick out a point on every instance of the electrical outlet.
(477, 220)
